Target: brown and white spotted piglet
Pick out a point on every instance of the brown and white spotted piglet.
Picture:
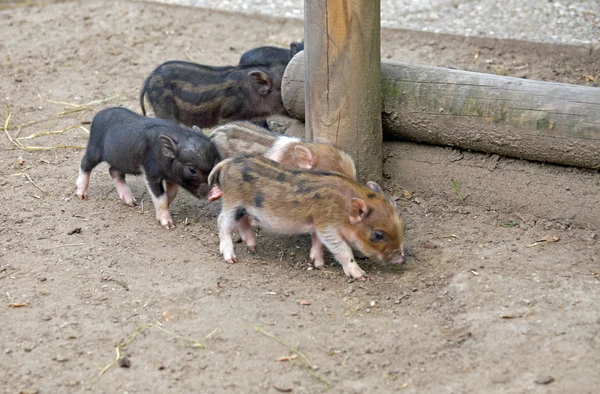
(339, 212)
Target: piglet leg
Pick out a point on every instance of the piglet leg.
(316, 251)
(161, 203)
(226, 224)
(122, 187)
(247, 233)
(83, 181)
(342, 252)
(172, 189)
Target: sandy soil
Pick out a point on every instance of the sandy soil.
(479, 307)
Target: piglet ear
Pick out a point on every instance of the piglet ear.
(375, 187)
(304, 159)
(358, 209)
(296, 47)
(169, 147)
(263, 80)
(322, 140)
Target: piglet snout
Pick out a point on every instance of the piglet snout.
(398, 259)
(214, 194)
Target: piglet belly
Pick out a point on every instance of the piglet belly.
(125, 154)
(280, 225)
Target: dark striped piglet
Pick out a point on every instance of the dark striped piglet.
(271, 55)
(339, 212)
(158, 149)
(206, 96)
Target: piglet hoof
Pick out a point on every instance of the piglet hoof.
(130, 201)
(317, 261)
(128, 198)
(214, 194)
(82, 194)
(167, 224)
(318, 264)
(230, 259)
(355, 272)
(227, 253)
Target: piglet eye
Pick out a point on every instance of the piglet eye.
(377, 236)
(192, 172)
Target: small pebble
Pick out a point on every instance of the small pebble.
(124, 362)
(61, 359)
(544, 380)
(368, 310)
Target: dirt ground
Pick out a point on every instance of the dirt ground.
(479, 306)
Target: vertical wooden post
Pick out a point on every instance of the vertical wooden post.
(343, 79)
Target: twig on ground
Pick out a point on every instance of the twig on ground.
(195, 343)
(63, 245)
(455, 186)
(6, 131)
(294, 351)
(187, 54)
(33, 183)
(35, 135)
(4, 276)
(110, 191)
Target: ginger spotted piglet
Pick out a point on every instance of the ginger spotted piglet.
(245, 138)
(339, 212)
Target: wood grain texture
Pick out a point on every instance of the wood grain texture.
(343, 95)
(533, 120)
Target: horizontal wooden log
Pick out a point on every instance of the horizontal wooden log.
(533, 120)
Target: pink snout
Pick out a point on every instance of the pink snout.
(398, 259)
(214, 194)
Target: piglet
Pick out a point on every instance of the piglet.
(271, 55)
(158, 149)
(339, 212)
(245, 138)
(206, 96)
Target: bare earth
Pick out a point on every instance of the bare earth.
(479, 307)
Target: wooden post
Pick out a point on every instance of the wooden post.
(343, 90)
(533, 120)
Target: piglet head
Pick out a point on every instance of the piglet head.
(376, 227)
(322, 155)
(265, 90)
(190, 161)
